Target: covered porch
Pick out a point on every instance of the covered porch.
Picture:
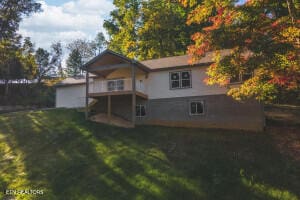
(111, 75)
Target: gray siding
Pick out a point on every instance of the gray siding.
(220, 111)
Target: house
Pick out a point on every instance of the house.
(166, 91)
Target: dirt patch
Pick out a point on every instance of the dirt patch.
(116, 121)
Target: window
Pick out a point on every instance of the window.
(197, 108)
(140, 110)
(238, 78)
(180, 80)
(115, 85)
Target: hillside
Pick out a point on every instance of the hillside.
(58, 152)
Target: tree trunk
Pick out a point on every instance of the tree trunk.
(290, 8)
(6, 88)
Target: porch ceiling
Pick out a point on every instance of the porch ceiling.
(108, 61)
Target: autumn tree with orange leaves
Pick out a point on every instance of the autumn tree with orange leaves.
(263, 36)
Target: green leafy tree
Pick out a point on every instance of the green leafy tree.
(56, 59)
(16, 63)
(163, 31)
(44, 67)
(84, 48)
(122, 26)
(30, 67)
(81, 51)
(99, 43)
(74, 63)
(264, 39)
(148, 29)
(11, 13)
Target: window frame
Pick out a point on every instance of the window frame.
(196, 101)
(116, 84)
(240, 78)
(140, 108)
(180, 79)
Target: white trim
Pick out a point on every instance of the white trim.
(196, 101)
(139, 107)
(180, 79)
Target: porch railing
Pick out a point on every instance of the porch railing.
(101, 86)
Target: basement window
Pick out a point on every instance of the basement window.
(197, 108)
(140, 110)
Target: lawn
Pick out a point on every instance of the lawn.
(57, 151)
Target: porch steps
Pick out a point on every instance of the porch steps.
(114, 120)
(93, 102)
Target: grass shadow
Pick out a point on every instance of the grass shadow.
(70, 158)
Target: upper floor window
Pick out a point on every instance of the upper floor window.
(180, 80)
(115, 85)
(241, 77)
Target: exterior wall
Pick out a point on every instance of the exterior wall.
(72, 96)
(220, 111)
(120, 106)
(159, 86)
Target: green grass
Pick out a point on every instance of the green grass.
(69, 158)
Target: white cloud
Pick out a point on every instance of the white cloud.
(69, 21)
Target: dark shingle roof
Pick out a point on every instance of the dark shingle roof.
(178, 61)
(157, 65)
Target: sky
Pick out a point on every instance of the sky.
(65, 21)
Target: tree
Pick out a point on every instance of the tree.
(99, 43)
(84, 48)
(264, 39)
(42, 57)
(74, 63)
(11, 13)
(29, 64)
(148, 29)
(28, 46)
(81, 51)
(16, 63)
(163, 31)
(122, 26)
(56, 53)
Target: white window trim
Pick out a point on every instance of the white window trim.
(180, 80)
(190, 108)
(116, 85)
(140, 107)
(241, 78)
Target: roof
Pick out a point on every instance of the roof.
(180, 61)
(152, 65)
(71, 81)
(116, 55)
